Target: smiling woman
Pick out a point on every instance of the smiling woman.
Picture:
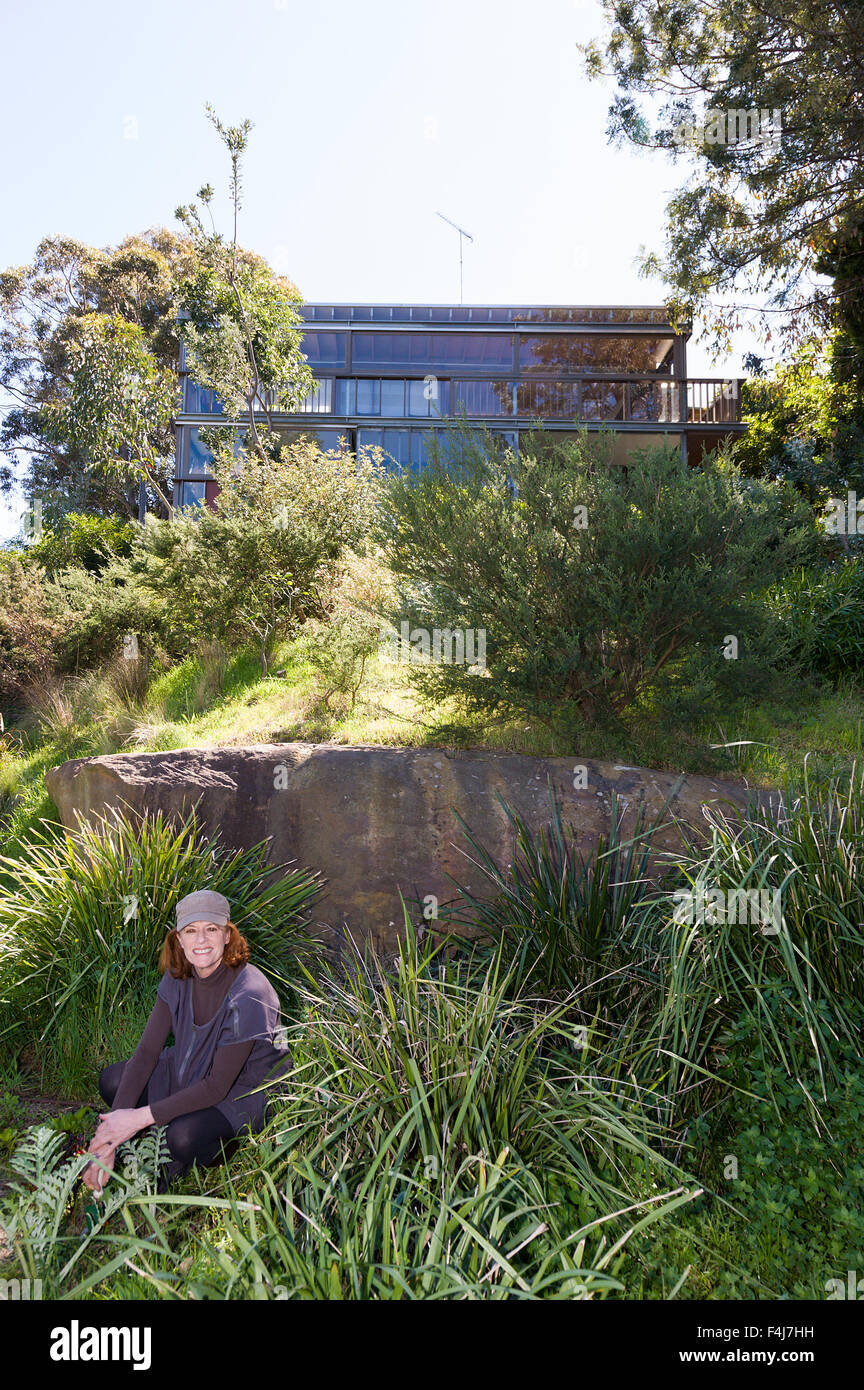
(226, 1021)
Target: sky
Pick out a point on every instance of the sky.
(368, 119)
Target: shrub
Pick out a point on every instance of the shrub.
(79, 539)
(823, 610)
(111, 617)
(265, 558)
(32, 624)
(588, 579)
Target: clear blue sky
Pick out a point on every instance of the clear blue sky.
(368, 118)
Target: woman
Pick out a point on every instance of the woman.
(225, 1018)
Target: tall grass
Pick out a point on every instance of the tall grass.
(796, 983)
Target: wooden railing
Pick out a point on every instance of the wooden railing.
(711, 402)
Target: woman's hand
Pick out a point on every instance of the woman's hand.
(119, 1125)
(93, 1176)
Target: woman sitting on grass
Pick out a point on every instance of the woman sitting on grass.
(225, 1018)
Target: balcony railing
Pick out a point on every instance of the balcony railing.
(713, 402)
(632, 400)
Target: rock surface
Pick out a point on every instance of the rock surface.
(377, 821)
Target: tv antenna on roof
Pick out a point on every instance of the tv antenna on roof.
(462, 232)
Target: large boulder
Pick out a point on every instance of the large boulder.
(377, 821)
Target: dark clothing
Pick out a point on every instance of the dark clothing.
(207, 997)
(226, 1043)
(201, 1137)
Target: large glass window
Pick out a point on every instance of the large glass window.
(319, 401)
(574, 352)
(428, 397)
(602, 400)
(483, 397)
(368, 397)
(199, 459)
(548, 400)
(191, 494)
(324, 349)
(397, 444)
(200, 401)
(393, 397)
(432, 351)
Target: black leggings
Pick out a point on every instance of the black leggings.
(199, 1137)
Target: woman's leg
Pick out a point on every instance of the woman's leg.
(109, 1082)
(196, 1138)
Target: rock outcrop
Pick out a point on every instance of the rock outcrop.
(377, 821)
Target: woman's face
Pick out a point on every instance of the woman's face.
(203, 945)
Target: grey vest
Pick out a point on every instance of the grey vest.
(249, 1012)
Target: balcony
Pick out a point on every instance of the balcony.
(600, 398)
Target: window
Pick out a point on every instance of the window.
(483, 397)
(199, 459)
(428, 397)
(192, 494)
(574, 352)
(432, 351)
(324, 349)
(548, 400)
(319, 401)
(397, 445)
(602, 400)
(200, 401)
(368, 397)
(393, 397)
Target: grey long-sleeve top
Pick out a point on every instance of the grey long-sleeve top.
(228, 1060)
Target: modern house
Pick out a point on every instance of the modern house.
(390, 374)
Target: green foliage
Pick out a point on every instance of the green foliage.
(32, 625)
(242, 327)
(805, 423)
(588, 581)
(104, 612)
(556, 916)
(44, 1191)
(753, 218)
(118, 405)
(338, 651)
(823, 611)
(717, 968)
(81, 540)
(265, 558)
(42, 306)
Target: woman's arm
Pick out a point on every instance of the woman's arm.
(123, 1120)
(139, 1068)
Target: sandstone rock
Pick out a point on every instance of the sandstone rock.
(375, 820)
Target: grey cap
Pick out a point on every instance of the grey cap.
(203, 906)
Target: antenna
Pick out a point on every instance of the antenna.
(462, 232)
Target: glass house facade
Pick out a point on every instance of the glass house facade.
(391, 375)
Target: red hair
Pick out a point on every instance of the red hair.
(172, 958)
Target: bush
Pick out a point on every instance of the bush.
(111, 617)
(79, 539)
(588, 579)
(32, 624)
(265, 559)
(823, 611)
